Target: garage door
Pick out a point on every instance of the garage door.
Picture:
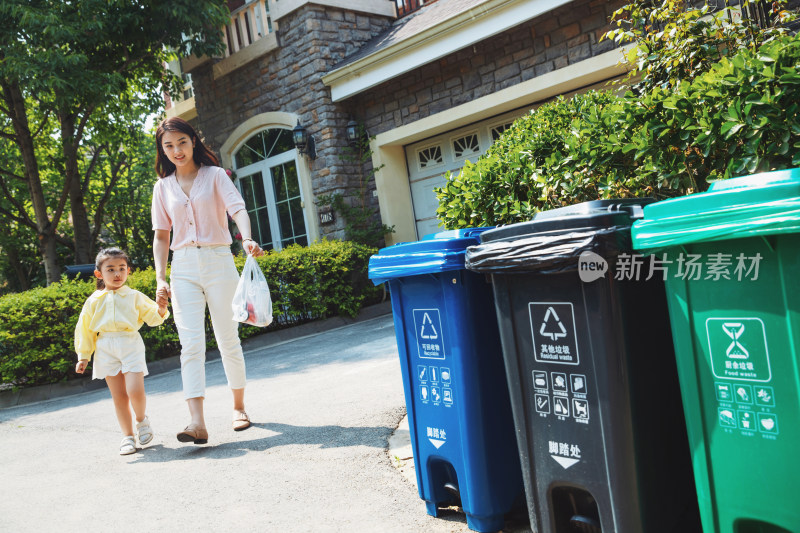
(429, 161)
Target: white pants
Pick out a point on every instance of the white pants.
(118, 351)
(200, 277)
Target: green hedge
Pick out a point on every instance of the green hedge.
(740, 117)
(306, 283)
(563, 152)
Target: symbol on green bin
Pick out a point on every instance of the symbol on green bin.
(747, 420)
(724, 393)
(726, 418)
(744, 394)
(738, 349)
(765, 396)
(768, 423)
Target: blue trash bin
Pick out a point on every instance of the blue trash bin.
(459, 412)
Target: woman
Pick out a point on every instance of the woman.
(190, 199)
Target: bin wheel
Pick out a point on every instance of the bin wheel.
(585, 524)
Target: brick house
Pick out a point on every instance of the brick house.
(434, 82)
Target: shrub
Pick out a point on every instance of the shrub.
(566, 151)
(740, 115)
(37, 331)
(306, 283)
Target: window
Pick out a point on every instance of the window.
(269, 183)
(466, 146)
(498, 130)
(289, 204)
(404, 7)
(254, 194)
(188, 88)
(430, 157)
(264, 145)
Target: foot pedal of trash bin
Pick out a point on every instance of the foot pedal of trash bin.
(452, 488)
(574, 511)
(584, 524)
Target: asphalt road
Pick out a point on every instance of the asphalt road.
(323, 408)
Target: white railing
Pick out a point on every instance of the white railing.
(248, 24)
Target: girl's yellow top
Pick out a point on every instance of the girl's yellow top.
(124, 309)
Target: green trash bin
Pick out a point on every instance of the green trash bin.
(731, 262)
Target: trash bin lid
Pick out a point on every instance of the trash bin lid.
(436, 252)
(760, 204)
(85, 271)
(554, 240)
(595, 214)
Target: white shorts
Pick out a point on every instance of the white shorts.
(118, 351)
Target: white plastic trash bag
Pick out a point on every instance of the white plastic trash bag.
(251, 301)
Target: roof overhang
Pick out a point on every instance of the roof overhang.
(460, 31)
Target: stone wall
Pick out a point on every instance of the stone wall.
(561, 37)
(311, 41)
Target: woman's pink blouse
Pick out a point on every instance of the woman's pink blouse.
(199, 219)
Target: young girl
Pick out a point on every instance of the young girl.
(109, 327)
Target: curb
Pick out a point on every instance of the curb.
(402, 453)
(12, 398)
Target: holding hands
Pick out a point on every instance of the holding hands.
(162, 296)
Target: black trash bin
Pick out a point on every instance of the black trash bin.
(591, 372)
(84, 272)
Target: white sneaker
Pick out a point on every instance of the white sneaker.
(144, 431)
(127, 446)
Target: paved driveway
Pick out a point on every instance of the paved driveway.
(323, 408)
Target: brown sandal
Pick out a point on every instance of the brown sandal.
(193, 434)
(240, 420)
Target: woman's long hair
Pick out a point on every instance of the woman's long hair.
(201, 155)
(104, 255)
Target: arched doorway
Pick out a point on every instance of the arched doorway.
(266, 173)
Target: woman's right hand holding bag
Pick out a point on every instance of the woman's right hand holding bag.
(252, 303)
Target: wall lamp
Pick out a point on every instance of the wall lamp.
(354, 133)
(304, 142)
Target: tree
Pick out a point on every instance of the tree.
(64, 63)
(675, 40)
(115, 167)
(19, 258)
(121, 195)
(717, 91)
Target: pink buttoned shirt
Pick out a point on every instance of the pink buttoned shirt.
(198, 219)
